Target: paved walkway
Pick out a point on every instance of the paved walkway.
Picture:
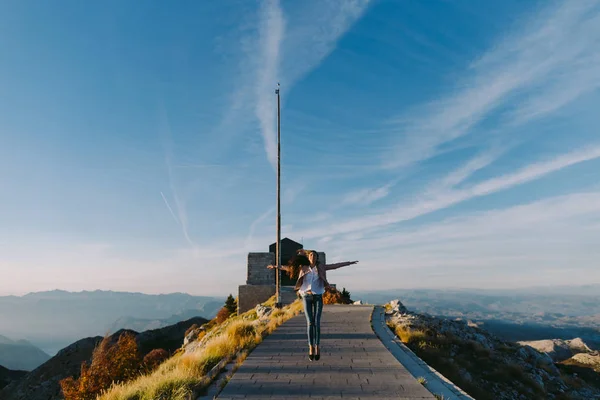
(354, 363)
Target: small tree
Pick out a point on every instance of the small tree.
(228, 309)
(346, 296)
(332, 296)
(231, 304)
(222, 315)
(111, 362)
(153, 359)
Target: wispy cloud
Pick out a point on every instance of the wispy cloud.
(291, 193)
(559, 212)
(250, 238)
(169, 208)
(167, 139)
(290, 48)
(547, 64)
(445, 199)
(534, 171)
(367, 196)
(514, 246)
(271, 34)
(314, 33)
(179, 205)
(459, 175)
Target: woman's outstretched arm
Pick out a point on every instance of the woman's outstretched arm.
(283, 267)
(339, 265)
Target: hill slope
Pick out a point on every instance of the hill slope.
(7, 376)
(43, 382)
(20, 355)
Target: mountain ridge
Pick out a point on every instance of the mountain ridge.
(53, 319)
(20, 355)
(43, 382)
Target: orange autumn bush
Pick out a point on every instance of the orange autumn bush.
(228, 309)
(111, 363)
(334, 296)
(153, 359)
(222, 315)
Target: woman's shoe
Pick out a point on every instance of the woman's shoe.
(318, 355)
(311, 357)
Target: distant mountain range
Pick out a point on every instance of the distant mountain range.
(51, 320)
(20, 354)
(140, 324)
(43, 382)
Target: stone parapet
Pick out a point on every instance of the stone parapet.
(251, 295)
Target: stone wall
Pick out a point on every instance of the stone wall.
(258, 273)
(251, 295)
(322, 258)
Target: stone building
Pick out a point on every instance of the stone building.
(260, 281)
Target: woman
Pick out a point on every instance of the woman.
(311, 284)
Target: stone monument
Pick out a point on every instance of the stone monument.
(260, 281)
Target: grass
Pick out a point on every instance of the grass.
(422, 380)
(408, 336)
(183, 376)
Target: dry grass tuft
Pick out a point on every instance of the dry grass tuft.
(409, 336)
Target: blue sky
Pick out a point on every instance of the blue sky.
(440, 143)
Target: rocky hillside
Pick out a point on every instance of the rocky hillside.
(8, 376)
(20, 354)
(487, 367)
(573, 352)
(514, 315)
(585, 360)
(557, 349)
(43, 382)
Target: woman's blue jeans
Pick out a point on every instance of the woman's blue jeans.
(313, 306)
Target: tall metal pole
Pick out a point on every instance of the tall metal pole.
(278, 254)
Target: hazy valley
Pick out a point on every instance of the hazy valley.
(53, 320)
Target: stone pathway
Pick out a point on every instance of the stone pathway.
(354, 363)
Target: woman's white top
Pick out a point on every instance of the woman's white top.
(312, 282)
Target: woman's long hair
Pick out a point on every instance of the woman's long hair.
(295, 264)
(298, 260)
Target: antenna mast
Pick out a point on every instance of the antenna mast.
(278, 254)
